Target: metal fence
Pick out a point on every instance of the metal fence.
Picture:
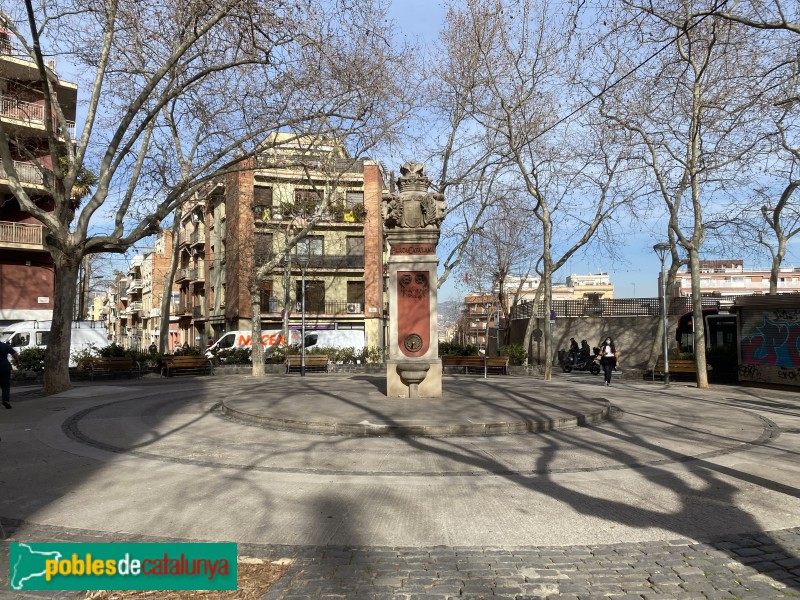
(617, 307)
(274, 306)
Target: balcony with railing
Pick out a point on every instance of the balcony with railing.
(21, 235)
(198, 313)
(264, 215)
(198, 238)
(314, 163)
(28, 112)
(330, 261)
(135, 285)
(182, 275)
(27, 173)
(313, 307)
(197, 274)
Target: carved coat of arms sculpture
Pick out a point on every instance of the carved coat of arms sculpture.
(413, 207)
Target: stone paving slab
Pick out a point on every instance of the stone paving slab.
(661, 569)
(359, 407)
(670, 499)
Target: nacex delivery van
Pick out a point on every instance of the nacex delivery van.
(335, 338)
(270, 339)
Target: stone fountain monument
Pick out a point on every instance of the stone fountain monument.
(412, 216)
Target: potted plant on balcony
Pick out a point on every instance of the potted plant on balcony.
(356, 214)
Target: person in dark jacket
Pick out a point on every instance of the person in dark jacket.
(5, 371)
(609, 358)
(574, 351)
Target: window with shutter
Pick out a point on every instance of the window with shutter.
(262, 203)
(315, 295)
(263, 247)
(355, 292)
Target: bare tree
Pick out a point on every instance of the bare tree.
(500, 249)
(526, 102)
(455, 143)
(695, 117)
(213, 79)
(758, 14)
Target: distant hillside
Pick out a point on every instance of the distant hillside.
(449, 311)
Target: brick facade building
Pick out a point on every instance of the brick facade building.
(26, 268)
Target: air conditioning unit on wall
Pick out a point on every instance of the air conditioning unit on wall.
(353, 307)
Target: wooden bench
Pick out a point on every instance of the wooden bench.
(317, 363)
(677, 366)
(172, 365)
(110, 365)
(497, 365)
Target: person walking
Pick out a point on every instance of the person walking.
(609, 358)
(5, 371)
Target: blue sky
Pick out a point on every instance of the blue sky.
(637, 274)
(420, 20)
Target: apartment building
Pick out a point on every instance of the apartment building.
(729, 277)
(576, 287)
(250, 215)
(478, 324)
(26, 268)
(190, 278)
(154, 269)
(132, 305)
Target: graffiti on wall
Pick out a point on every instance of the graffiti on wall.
(773, 343)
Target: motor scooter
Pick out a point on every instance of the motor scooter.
(589, 363)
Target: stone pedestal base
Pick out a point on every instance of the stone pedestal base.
(430, 387)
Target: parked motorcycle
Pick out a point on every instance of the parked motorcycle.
(589, 363)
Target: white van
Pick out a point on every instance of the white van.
(335, 338)
(36, 334)
(270, 339)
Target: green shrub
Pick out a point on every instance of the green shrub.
(235, 356)
(187, 351)
(31, 359)
(278, 355)
(111, 351)
(452, 349)
(143, 357)
(516, 353)
(80, 355)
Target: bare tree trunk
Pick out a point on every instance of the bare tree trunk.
(532, 320)
(85, 287)
(255, 334)
(699, 324)
(548, 307)
(777, 260)
(166, 298)
(56, 359)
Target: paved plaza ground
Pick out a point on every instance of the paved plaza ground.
(675, 493)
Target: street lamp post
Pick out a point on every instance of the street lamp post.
(661, 251)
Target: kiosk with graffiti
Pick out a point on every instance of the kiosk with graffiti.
(769, 334)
